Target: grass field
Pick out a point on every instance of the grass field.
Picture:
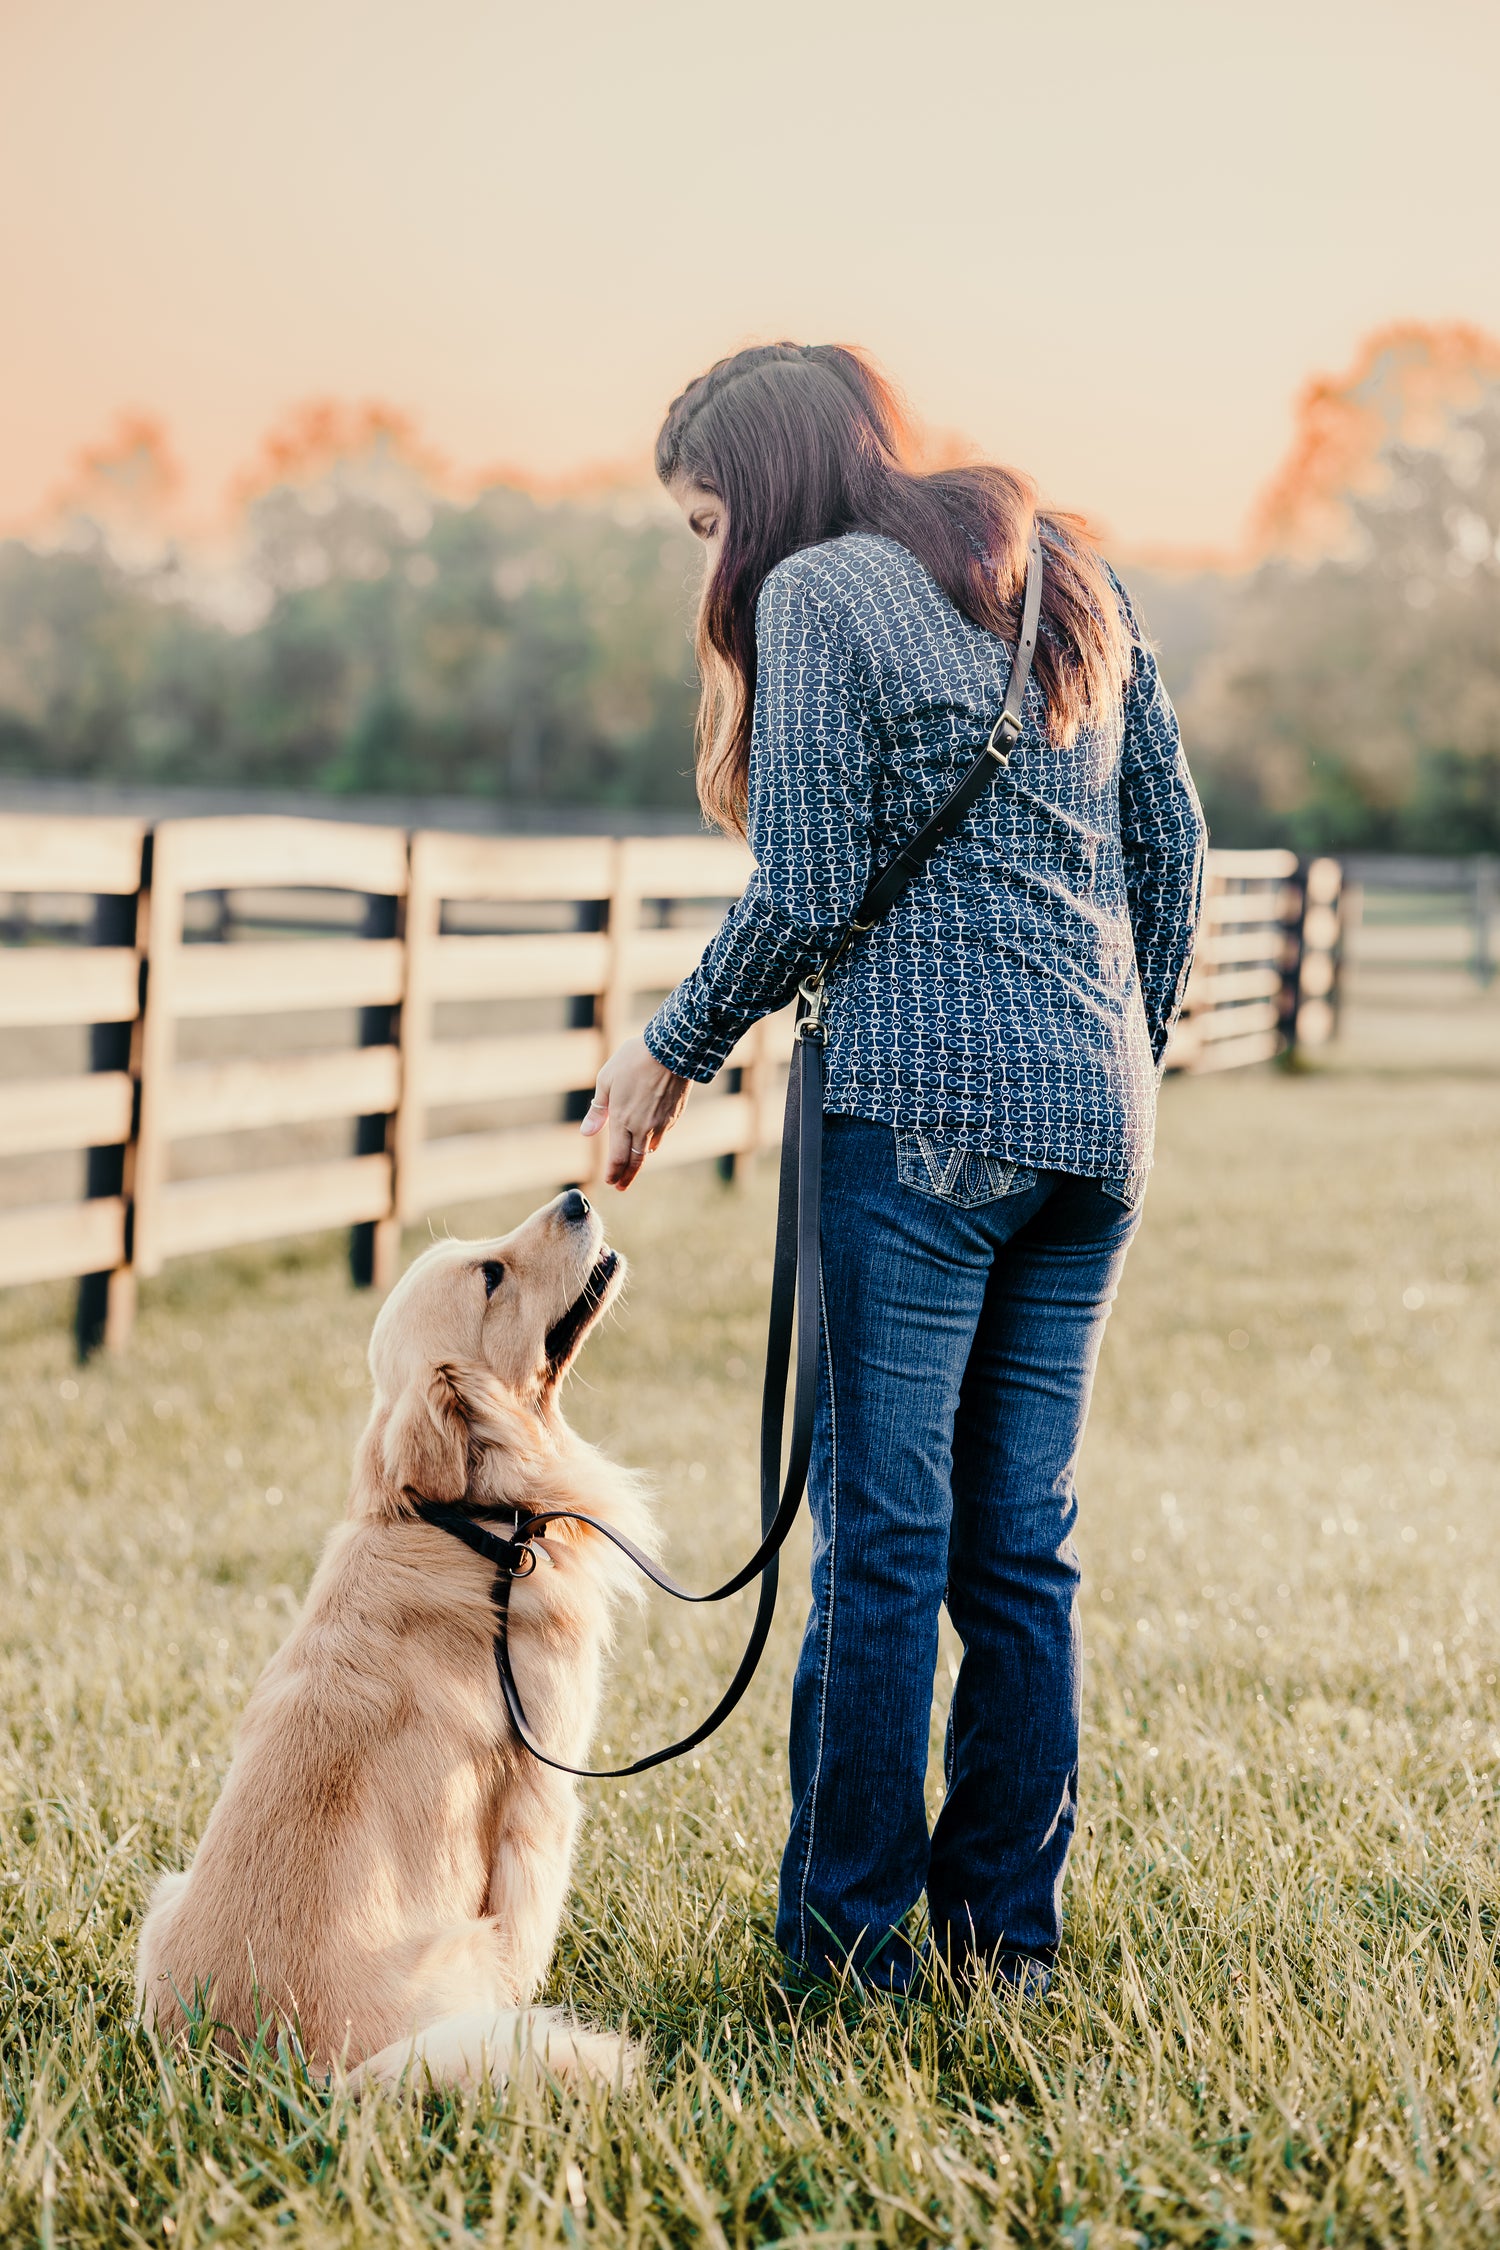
(1277, 2014)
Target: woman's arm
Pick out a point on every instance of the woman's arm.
(810, 781)
(810, 778)
(1163, 835)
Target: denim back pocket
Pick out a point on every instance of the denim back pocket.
(964, 1177)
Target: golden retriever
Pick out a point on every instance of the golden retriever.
(386, 1867)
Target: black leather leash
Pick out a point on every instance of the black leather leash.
(794, 1291)
(794, 1311)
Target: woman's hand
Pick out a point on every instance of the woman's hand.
(639, 1099)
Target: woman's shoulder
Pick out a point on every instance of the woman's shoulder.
(852, 576)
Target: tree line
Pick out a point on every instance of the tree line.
(368, 637)
(1354, 702)
(372, 635)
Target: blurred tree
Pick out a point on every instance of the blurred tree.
(373, 632)
(1356, 701)
(390, 639)
(102, 671)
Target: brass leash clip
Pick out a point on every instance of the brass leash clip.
(810, 1024)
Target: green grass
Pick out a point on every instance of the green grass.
(1277, 2015)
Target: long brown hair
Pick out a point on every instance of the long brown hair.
(803, 442)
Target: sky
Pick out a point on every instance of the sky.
(1105, 242)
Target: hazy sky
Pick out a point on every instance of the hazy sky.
(1107, 239)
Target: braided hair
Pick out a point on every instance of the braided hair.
(684, 410)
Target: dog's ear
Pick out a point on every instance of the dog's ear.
(424, 1447)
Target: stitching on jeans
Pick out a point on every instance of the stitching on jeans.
(965, 1179)
(827, 1648)
(942, 1165)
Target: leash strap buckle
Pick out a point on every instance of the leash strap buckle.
(510, 1558)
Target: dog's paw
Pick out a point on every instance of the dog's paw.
(573, 2055)
(495, 2044)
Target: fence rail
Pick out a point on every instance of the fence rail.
(1433, 913)
(414, 1021)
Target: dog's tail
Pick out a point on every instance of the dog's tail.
(462, 2049)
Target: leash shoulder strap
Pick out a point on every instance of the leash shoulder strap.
(886, 887)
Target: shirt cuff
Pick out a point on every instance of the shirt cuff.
(677, 1049)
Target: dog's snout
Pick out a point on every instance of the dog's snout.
(574, 1206)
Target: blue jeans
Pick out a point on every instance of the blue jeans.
(963, 1307)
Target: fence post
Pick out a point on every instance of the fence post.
(585, 1013)
(1315, 1018)
(624, 911)
(104, 1310)
(163, 934)
(1485, 890)
(1293, 918)
(424, 908)
(375, 1244)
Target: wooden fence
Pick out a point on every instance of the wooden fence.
(1265, 975)
(1427, 914)
(94, 987)
(287, 1025)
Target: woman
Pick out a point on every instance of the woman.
(993, 1052)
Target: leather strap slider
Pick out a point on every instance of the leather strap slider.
(1004, 735)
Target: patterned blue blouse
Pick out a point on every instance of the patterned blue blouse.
(1016, 1001)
